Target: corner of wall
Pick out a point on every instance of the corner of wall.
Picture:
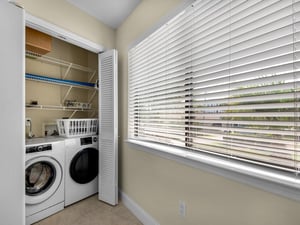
(137, 210)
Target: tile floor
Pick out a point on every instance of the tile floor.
(90, 211)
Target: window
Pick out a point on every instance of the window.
(221, 78)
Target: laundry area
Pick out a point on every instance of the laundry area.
(154, 112)
(60, 83)
(63, 164)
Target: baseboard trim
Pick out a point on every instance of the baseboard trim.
(139, 212)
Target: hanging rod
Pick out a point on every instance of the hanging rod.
(60, 62)
(59, 81)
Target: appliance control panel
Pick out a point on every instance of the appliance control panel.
(88, 140)
(38, 148)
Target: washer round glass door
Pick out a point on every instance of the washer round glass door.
(84, 166)
(43, 175)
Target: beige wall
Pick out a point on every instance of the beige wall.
(158, 184)
(67, 16)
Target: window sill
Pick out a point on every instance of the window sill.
(271, 180)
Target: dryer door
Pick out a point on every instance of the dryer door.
(84, 166)
(43, 175)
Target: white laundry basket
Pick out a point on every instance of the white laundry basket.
(77, 127)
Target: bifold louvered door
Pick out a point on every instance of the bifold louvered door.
(108, 127)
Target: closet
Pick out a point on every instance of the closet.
(14, 109)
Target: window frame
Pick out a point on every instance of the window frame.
(278, 182)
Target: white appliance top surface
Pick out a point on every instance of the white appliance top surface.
(43, 140)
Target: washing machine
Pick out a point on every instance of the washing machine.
(44, 178)
(81, 168)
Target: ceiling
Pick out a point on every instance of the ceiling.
(110, 12)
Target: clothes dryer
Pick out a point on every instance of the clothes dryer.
(44, 178)
(81, 168)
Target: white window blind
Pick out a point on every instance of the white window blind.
(222, 77)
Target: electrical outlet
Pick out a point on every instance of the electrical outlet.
(27, 121)
(182, 208)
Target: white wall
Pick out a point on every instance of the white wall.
(12, 164)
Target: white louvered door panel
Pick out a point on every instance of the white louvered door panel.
(108, 127)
